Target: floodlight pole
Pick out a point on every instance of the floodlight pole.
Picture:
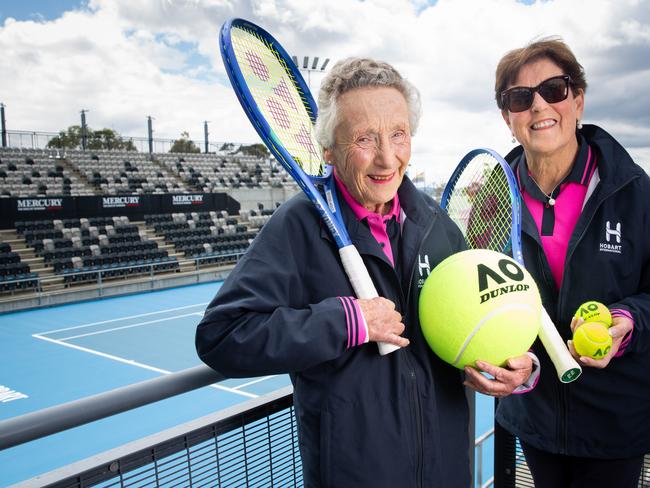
(205, 134)
(84, 130)
(307, 67)
(3, 125)
(150, 133)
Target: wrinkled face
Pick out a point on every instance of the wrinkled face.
(373, 144)
(545, 129)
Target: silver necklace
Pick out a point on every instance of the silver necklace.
(551, 200)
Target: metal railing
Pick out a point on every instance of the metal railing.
(251, 444)
(48, 421)
(23, 139)
(103, 278)
(478, 448)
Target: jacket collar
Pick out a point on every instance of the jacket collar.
(615, 166)
(416, 216)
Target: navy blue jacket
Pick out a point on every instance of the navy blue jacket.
(605, 413)
(363, 420)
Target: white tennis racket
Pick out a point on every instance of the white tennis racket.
(280, 107)
(483, 199)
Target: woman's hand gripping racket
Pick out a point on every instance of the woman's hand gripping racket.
(483, 199)
(280, 107)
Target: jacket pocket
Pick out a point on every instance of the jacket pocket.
(367, 444)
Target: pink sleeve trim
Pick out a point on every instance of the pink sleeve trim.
(355, 323)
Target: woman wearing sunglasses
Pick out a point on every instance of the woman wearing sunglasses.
(586, 236)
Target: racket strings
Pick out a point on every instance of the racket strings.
(279, 98)
(481, 205)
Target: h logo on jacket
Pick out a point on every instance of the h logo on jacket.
(616, 232)
(423, 265)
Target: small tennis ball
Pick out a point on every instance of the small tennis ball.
(592, 339)
(479, 304)
(593, 311)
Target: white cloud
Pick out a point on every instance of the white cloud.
(125, 60)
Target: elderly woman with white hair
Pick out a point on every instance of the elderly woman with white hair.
(364, 420)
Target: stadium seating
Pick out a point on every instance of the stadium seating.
(25, 173)
(115, 173)
(79, 248)
(211, 173)
(210, 237)
(14, 274)
(88, 250)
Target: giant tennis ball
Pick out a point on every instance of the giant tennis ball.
(479, 304)
(592, 339)
(594, 311)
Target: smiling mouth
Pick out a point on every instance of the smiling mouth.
(544, 124)
(381, 178)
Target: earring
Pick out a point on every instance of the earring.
(513, 139)
(578, 124)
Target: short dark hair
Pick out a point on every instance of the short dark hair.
(553, 49)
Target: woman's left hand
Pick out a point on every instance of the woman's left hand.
(621, 326)
(504, 380)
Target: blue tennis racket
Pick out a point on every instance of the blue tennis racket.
(280, 106)
(483, 199)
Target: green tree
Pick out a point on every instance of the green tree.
(184, 145)
(68, 139)
(100, 139)
(258, 150)
(108, 139)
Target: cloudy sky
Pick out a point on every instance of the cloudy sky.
(123, 60)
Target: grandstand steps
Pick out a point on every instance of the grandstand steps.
(82, 177)
(185, 266)
(45, 271)
(35, 263)
(8, 234)
(17, 243)
(53, 285)
(162, 244)
(27, 254)
(173, 176)
(159, 240)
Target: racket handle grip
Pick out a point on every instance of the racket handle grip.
(567, 368)
(362, 284)
(386, 348)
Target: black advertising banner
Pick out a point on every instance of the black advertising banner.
(135, 207)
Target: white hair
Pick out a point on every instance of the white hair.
(352, 73)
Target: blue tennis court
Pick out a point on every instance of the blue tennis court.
(55, 355)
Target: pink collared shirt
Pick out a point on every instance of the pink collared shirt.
(357, 329)
(376, 222)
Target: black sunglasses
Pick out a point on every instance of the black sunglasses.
(520, 98)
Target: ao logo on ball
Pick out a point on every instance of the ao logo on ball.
(479, 304)
(509, 270)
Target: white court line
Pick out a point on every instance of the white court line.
(257, 380)
(125, 318)
(135, 363)
(103, 331)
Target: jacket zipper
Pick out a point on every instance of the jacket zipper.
(416, 397)
(587, 226)
(418, 429)
(560, 305)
